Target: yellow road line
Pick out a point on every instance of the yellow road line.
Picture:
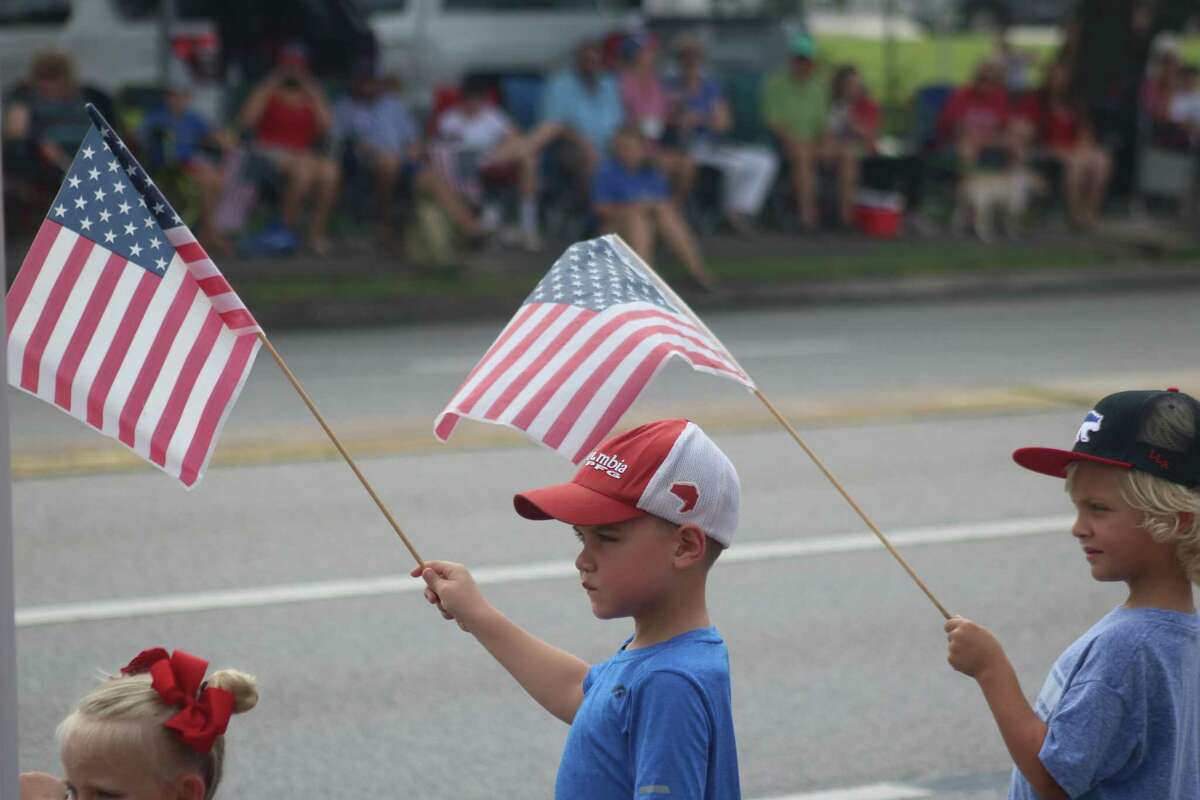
(304, 444)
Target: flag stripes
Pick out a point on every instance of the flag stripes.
(221, 295)
(149, 360)
(565, 374)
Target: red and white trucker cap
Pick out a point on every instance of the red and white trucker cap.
(669, 468)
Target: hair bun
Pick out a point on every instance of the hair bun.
(242, 686)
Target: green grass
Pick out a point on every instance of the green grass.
(881, 260)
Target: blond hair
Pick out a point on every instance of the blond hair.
(126, 713)
(1171, 425)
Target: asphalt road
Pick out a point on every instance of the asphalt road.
(838, 660)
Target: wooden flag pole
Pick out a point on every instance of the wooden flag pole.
(858, 509)
(291, 376)
(675, 298)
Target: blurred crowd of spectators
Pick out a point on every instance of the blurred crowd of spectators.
(616, 140)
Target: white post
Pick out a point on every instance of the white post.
(8, 628)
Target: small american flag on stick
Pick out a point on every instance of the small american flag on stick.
(581, 348)
(119, 317)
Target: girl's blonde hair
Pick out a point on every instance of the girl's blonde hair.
(126, 713)
(1170, 425)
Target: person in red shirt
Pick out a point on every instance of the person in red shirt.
(978, 117)
(1063, 132)
(290, 116)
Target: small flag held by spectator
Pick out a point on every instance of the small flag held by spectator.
(580, 350)
(119, 317)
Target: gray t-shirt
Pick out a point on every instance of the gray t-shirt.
(1123, 709)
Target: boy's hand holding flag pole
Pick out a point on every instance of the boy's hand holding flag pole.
(119, 318)
(582, 347)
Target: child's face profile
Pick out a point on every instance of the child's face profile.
(1110, 531)
(625, 567)
(112, 773)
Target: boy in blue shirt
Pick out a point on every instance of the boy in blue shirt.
(1119, 715)
(653, 508)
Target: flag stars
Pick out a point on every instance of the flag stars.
(130, 229)
(159, 208)
(142, 202)
(118, 187)
(94, 174)
(113, 166)
(131, 170)
(80, 203)
(74, 181)
(123, 207)
(155, 243)
(104, 214)
(88, 152)
(85, 223)
(136, 249)
(60, 210)
(148, 222)
(161, 263)
(100, 194)
(109, 237)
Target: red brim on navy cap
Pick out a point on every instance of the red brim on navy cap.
(574, 505)
(1054, 462)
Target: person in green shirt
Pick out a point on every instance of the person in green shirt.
(795, 107)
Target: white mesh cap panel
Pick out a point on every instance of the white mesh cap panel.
(695, 462)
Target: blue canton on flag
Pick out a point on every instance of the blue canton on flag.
(107, 197)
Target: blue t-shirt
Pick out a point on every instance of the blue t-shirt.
(615, 184)
(703, 101)
(655, 721)
(595, 112)
(173, 139)
(1123, 709)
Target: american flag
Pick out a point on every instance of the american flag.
(581, 348)
(119, 317)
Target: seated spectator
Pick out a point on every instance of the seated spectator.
(645, 101)
(853, 115)
(1185, 103)
(173, 136)
(484, 139)
(43, 126)
(795, 107)
(291, 120)
(701, 121)
(632, 199)
(376, 123)
(978, 121)
(581, 105)
(1063, 132)
(1156, 93)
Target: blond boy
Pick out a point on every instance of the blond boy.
(1119, 715)
(652, 508)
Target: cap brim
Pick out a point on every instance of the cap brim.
(574, 505)
(1054, 462)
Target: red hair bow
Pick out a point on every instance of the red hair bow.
(179, 680)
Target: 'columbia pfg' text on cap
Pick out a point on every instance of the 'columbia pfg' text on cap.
(669, 468)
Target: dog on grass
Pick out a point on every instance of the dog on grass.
(984, 197)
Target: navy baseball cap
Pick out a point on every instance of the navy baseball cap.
(1116, 433)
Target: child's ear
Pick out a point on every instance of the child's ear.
(691, 547)
(189, 786)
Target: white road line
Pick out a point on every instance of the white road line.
(876, 791)
(58, 614)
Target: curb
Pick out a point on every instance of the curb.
(334, 313)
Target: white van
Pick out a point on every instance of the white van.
(433, 42)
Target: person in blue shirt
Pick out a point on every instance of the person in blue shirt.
(582, 107)
(1118, 718)
(633, 199)
(653, 508)
(175, 137)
